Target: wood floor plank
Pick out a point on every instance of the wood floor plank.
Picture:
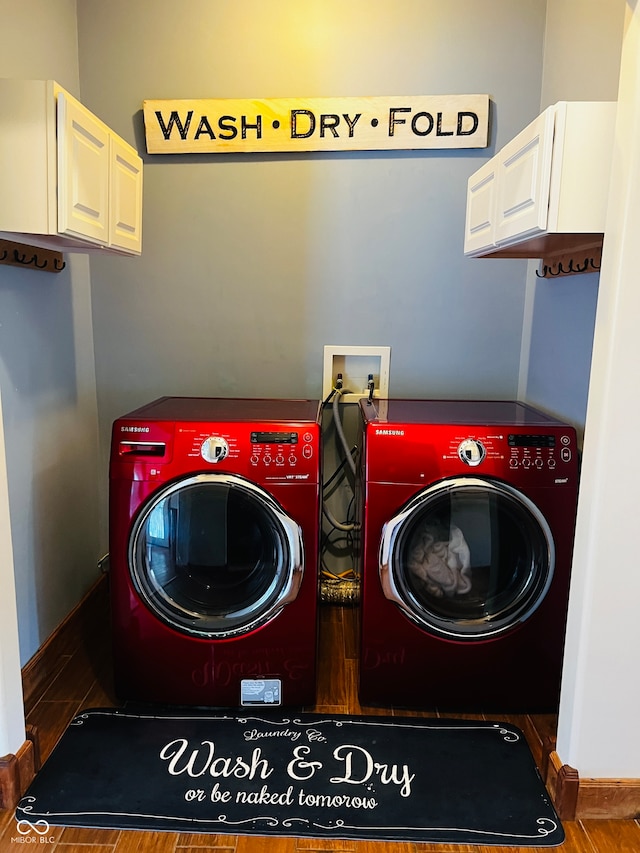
(265, 844)
(331, 686)
(325, 845)
(151, 842)
(196, 841)
(613, 836)
(82, 835)
(199, 849)
(51, 719)
(387, 846)
(577, 840)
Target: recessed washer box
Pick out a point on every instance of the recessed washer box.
(355, 364)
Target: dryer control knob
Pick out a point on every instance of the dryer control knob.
(471, 451)
(214, 449)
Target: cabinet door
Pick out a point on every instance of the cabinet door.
(125, 197)
(83, 172)
(523, 179)
(479, 225)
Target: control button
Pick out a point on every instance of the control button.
(526, 463)
(513, 462)
(552, 463)
(307, 437)
(279, 459)
(538, 463)
(293, 459)
(214, 449)
(254, 460)
(307, 451)
(564, 439)
(471, 452)
(565, 454)
(267, 459)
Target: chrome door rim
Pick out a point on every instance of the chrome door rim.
(451, 628)
(294, 568)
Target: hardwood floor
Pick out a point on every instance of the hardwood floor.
(81, 678)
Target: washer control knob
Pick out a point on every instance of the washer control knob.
(214, 449)
(471, 451)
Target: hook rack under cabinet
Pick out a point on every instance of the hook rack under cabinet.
(570, 264)
(23, 255)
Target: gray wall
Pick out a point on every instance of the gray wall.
(252, 263)
(47, 376)
(583, 42)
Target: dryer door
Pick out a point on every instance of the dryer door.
(467, 558)
(213, 555)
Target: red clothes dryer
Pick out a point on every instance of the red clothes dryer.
(214, 529)
(468, 514)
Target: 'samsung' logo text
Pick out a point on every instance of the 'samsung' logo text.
(389, 432)
(134, 429)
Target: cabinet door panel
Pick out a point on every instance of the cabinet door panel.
(83, 172)
(125, 197)
(524, 174)
(479, 227)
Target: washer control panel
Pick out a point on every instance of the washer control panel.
(471, 451)
(281, 449)
(214, 449)
(259, 452)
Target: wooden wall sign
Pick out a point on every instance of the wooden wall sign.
(225, 126)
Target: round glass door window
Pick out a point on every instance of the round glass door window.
(214, 555)
(467, 558)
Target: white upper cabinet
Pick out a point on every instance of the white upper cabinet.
(546, 191)
(67, 182)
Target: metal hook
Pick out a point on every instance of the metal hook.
(34, 260)
(22, 259)
(543, 274)
(56, 267)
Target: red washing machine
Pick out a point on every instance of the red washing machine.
(468, 514)
(214, 529)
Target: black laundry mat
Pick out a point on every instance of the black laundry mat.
(304, 775)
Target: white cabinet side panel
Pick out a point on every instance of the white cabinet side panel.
(27, 135)
(583, 150)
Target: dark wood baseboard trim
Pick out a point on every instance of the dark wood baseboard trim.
(47, 661)
(563, 782)
(16, 774)
(590, 799)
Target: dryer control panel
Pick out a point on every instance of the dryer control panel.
(424, 453)
(546, 453)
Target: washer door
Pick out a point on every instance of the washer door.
(214, 555)
(467, 559)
